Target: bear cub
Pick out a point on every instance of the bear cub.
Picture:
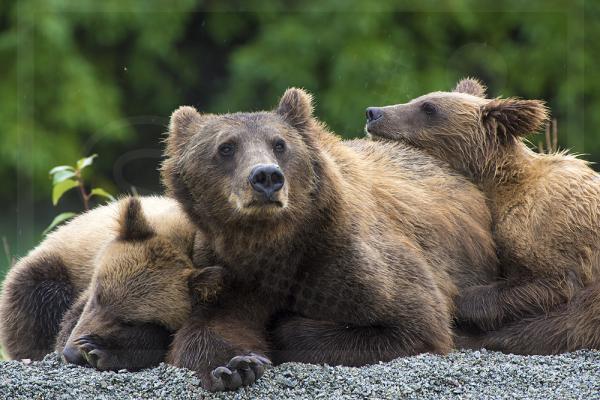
(143, 289)
(46, 283)
(545, 210)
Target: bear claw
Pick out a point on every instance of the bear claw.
(93, 357)
(240, 371)
(89, 350)
(220, 371)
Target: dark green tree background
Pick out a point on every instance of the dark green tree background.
(102, 77)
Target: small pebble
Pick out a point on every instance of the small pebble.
(459, 375)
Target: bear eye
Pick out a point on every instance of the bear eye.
(127, 323)
(279, 146)
(428, 108)
(226, 149)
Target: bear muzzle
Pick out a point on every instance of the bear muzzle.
(375, 118)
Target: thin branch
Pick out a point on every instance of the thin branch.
(554, 135)
(85, 197)
(548, 140)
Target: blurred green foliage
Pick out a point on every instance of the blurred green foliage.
(84, 77)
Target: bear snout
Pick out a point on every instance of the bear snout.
(266, 179)
(373, 114)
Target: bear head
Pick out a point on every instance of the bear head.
(243, 168)
(461, 127)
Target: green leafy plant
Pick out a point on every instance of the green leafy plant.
(67, 177)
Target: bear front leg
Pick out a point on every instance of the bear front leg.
(227, 351)
(300, 339)
(571, 326)
(488, 307)
(539, 335)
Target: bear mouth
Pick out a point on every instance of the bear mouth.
(250, 203)
(262, 204)
(265, 209)
(372, 133)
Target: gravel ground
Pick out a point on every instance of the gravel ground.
(464, 375)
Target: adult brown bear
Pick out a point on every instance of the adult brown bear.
(545, 209)
(338, 252)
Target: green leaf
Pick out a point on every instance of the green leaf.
(86, 162)
(61, 168)
(62, 175)
(59, 219)
(60, 188)
(102, 193)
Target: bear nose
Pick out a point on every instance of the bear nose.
(72, 355)
(374, 113)
(266, 179)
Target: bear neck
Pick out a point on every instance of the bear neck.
(507, 166)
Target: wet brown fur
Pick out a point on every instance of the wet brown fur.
(546, 213)
(360, 262)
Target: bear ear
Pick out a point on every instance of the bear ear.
(514, 117)
(181, 125)
(296, 108)
(471, 86)
(206, 283)
(132, 222)
(183, 118)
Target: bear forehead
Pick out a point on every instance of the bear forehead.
(245, 119)
(123, 259)
(451, 97)
(256, 123)
(125, 286)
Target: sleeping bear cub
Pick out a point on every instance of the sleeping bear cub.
(134, 255)
(142, 290)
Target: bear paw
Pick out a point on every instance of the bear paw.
(90, 351)
(239, 371)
